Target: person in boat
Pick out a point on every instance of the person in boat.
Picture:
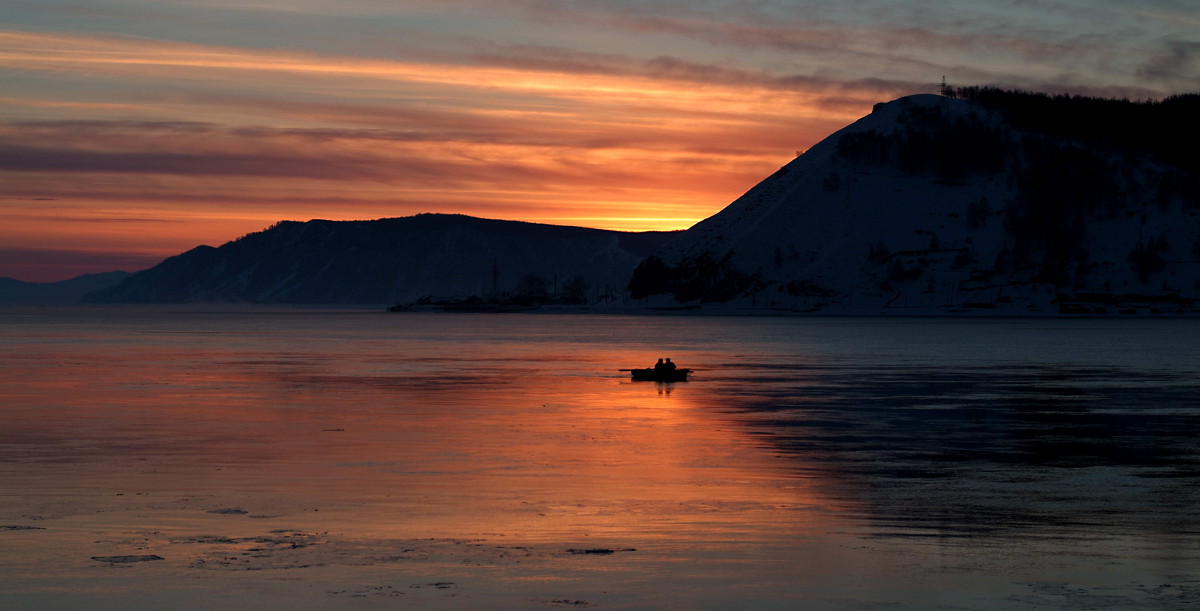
(668, 366)
(659, 366)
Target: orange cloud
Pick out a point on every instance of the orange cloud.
(229, 140)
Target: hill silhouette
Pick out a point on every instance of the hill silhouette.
(388, 261)
(986, 198)
(977, 200)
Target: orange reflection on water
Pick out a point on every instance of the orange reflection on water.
(360, 454)
(553, 458)
(564, 451)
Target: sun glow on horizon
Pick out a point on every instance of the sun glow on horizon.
(626, 152)
(125, 134)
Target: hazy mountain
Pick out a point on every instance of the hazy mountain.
(15, 292)
(1017, 202)
(391, 261)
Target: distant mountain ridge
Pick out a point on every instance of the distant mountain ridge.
(17, 293)
(982, 201)
(388, 261)
(948, 204)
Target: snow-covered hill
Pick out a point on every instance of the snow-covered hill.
(933, 203)
(997, 203)
(389, 261)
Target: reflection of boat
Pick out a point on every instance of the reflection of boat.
(651, 374)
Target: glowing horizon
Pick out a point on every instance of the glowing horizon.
(133, 131)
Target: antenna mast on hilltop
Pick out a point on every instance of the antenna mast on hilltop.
(945, 90)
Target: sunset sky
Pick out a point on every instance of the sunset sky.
(131, 130)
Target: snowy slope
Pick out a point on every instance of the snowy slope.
(389, 261)
(979, 215)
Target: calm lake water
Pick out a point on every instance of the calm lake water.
(340, 459)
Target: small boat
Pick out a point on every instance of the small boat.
(651, 374)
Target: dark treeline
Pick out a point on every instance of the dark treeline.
(1066, 158)
(1165, 128)
(704, 278)
(928, 141)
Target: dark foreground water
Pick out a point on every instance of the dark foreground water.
(317, 459)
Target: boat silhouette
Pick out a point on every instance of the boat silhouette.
(651, 374)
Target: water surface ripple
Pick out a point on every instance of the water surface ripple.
(158, 457)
